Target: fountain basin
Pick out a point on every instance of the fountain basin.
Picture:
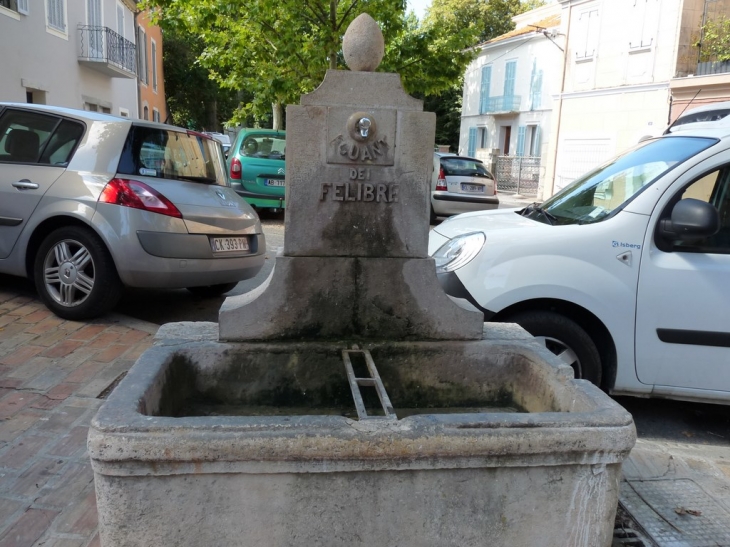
(208, 443)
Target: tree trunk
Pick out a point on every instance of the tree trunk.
(277, 111)
(333, 23)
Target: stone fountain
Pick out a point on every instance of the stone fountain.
(348, 400)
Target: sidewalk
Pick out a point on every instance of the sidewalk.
(53, 377)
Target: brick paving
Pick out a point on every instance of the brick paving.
(52, 373)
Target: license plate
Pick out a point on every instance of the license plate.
(472, 188)
(229, 244)
(275, 182)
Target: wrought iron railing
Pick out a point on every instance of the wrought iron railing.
(713, 67)
(519, 174)
(504, 103)
(103, 44)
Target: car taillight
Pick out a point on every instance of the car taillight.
(137, 195)
(441, 182)
(236, 169)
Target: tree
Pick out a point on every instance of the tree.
(277, 50)
(194, 100)
(715, 43)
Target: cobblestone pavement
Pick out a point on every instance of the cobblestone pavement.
(53, 377)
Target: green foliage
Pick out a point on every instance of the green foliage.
(715, 43)
(195, 101)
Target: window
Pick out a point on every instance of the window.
(521, 130)
(534, 140)
(56, 14)
(18, 6)
(120, 20)
(535, 86)
(153, 52)
(155, 115)
(123, 112)
(643, 24)
(713, 188)
(484, 89)
(586, 35)
(510, 71)
(146, 113)
(29, 137)
(483, 137)
(142, 55)
(472, 142)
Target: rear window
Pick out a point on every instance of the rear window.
(168, 154)
(266, 146)
(464, 167)
(706, 116)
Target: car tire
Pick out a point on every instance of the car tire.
(90, 286)
(564, 338)
(210, 291)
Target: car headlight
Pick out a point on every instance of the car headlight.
(458, 252)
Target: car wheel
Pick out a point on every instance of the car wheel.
(75, 274)
(210, 291)
(565, 339)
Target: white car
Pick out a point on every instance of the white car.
(625, 274)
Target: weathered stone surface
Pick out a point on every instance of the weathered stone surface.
(342, 207)
(363, 45)
(384, 298)
(548, 476)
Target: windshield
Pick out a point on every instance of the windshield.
(270, 146)
(161, 153)
(597, 194)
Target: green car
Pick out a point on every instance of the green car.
(256, 167)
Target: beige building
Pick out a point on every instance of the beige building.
(622, 62)
(152, 105)
(80, 54)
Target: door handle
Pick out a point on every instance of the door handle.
(25, 184)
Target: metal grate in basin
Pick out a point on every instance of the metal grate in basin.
(676, 513)
(373, 380)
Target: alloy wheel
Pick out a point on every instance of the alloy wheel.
(69, 273)
(563, 352)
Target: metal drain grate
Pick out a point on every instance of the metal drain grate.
(373, 380)
(626, 531)
(676, 513)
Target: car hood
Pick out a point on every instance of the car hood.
(502, 221)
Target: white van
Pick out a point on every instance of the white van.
(625, 274)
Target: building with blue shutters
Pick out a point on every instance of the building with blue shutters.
(508, 95)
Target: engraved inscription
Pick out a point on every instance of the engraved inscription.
(361, 152)
(359, 191)
(361, 173)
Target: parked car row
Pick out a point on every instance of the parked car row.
(90, 203)
(623, 274)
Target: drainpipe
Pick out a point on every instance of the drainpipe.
(554, 155)
(136, 57)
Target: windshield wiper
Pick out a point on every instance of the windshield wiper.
(552, 219)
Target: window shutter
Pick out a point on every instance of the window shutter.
(484, 90)
(23, 7)
(154, 66)
(472, 141)
(120, 20)
(538, 143)
(509, 78)
(521, 141)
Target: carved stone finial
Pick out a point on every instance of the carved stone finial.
(363, 44)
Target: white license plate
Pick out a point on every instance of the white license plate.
(472, 188)
(229, 244)
(275, 182)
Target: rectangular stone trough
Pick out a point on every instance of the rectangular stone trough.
(259, 444)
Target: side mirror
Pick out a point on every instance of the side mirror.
(691, 219)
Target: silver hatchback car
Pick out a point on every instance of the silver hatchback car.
(459, 185)
(90, 203)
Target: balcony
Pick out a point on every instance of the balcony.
(505, 104)
(106, 51)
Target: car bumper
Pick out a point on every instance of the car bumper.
(447, 203)
(259, 199)
(154, 251)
